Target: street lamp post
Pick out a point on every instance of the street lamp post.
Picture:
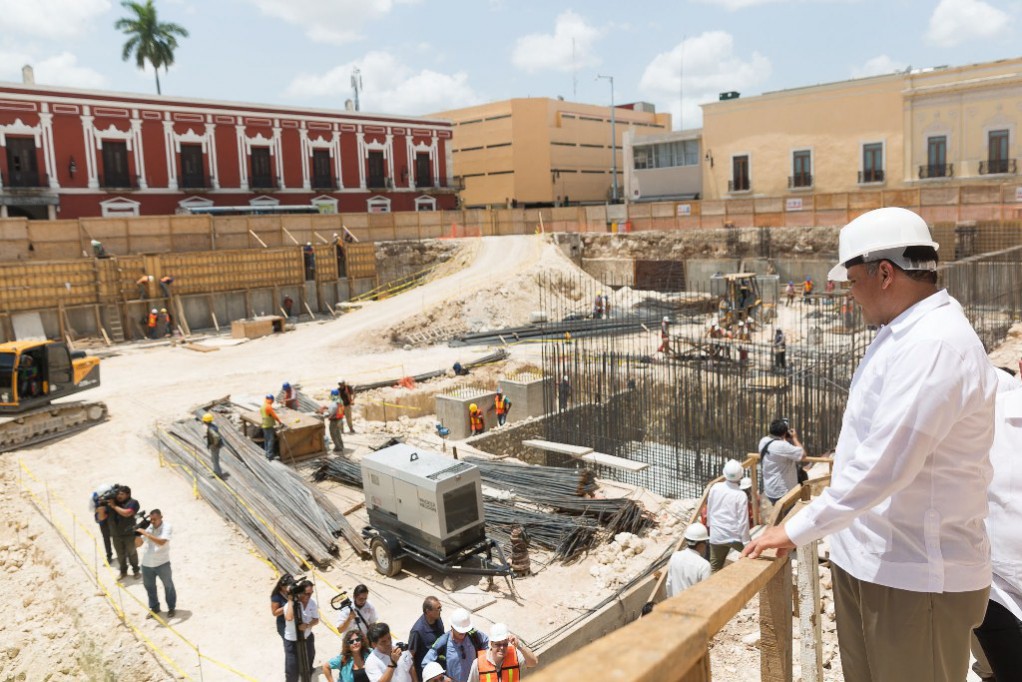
(613, 139)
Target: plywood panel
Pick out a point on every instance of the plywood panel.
(361, 261)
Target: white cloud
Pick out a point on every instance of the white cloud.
(52, 19)
(710, 65)
(734, 5)
(877, 66)
(546, 51)
(60, 69)
(389, 86)
(957, 21)
(328, 21)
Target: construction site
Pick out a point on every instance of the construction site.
(636, 363)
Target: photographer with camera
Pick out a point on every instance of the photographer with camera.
(388, 662)
(118, 513)
(781, 454)
(156, 563)
(301, 614)
(356, 613)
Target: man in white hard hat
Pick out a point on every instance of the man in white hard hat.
(665, 336)
(727, 515)
(434, 672)
(504, 660)
(689, 566)
(906, 505)
(457, 648)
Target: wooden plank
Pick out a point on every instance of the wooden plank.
(181, 316)
(811, 649)
(615, 462)
(200, 348)
(562, 448)
(775, 622)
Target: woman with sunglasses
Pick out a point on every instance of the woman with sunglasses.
(350, 665)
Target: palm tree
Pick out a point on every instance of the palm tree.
(149, 39)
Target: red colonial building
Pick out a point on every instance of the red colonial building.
(76, 153)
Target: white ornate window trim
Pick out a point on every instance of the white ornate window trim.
(263, 200)
(118, 207)
(325, 204)
(378, 204)
(195, 202)
(425, 203)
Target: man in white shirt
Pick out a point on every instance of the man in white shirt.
(359, 615)
(1000, 634)
(386, 662)
(156, 563)
(727, 515)
(907, 500)
(780, 454)
(688, 566)
(302, 622)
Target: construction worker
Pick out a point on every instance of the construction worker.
(28, 377)
(335, 420)
(309, 260)
(214, 441)
(165, 283)
(98, 251)
(689, 566)
(502, 405)
(905, 508)
(598, 307)
(807, 290)
(289, 396)
(789, 292)
(727, 515)
(504, 659)
(342, 269)
(151, 322)
(563, 393)
(143, 285)
(348, 398)
(163, 324)
(780, 350)
(269, 422)
(665, 336)
(475, 420)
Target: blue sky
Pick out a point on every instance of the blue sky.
(420, 56)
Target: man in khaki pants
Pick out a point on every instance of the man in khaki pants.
(906, 505)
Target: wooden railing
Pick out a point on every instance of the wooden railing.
(671, 644)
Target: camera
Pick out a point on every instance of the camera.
(340, 601)
(403, 646)
(296, 587)
(109, 495)
(142, 521)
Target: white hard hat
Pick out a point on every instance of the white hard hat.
(883, 234)
(697, 532)
(499, 633)
(733, 470)
(461, 621)
(666, 319)
(432, 669)
(745, 483)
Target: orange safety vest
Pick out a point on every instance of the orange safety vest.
(338, 412)
(152, 320)
(489, 673)
(476, 420)
(500, 403)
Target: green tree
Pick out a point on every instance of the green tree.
(149, 40)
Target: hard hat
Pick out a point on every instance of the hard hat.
(287, 385)
(207, 418)
(341, 381)
(154, 310)
(666, 319)
(163, 310)
(733, 470)
(432, 669)
(270, 397)
(335, 391)
(461, 621)
(500, 392)
(473, 407)
(745, 483)
(565, 377)
(883, 234)
(697, 532)
(499, 633)
(308, 243)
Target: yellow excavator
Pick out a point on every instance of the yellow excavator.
(32, 375)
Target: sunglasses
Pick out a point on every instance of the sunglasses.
(354, 641)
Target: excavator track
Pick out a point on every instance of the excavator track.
(47, 423)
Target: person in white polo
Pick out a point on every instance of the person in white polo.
(906, 504)
(727, 515)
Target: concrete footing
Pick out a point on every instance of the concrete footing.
(452, 410)
(525, 391)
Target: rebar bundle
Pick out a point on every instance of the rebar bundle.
(269, 502)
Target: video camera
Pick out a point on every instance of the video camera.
(296, 587)
(142, 522)
(340, 601)
(109, 494)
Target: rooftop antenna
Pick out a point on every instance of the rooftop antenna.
(681, 86)
(356, 85)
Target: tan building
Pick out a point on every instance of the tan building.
(663, 166)
(539, 151)
(932, 126)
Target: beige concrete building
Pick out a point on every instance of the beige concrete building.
(539, 151)
(910, 129)
(663, 166)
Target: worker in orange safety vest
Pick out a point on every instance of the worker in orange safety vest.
(269, 420)
(502, 405)
(475, 420)
(502, 661)
(151, 322)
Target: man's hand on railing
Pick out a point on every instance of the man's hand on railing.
(773, 537)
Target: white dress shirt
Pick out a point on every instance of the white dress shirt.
(377, 664)
(686, 568)
(156, 554)
(780, 466)
(1005, 521)
(727, 513)
(907, 501)
(368, 617)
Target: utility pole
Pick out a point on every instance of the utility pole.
(356, 84)
(613, 139)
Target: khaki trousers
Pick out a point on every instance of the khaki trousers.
(718, 554)
(891, 635)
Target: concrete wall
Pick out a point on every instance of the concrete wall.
(698, 271)
(526, 396)
(507, 441)
(611, 271)
(452, 411)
